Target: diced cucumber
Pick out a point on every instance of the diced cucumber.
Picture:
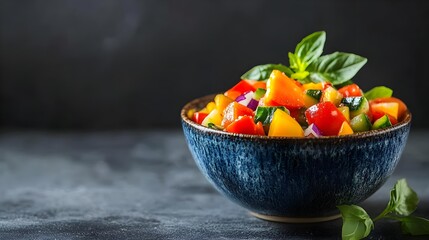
(314, 93)
(382, 122)
(360, 123)
(259, 93)
(357, 105)
(265, 114)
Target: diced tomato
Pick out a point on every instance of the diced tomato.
(243, 124)
(240, 88)
(402, 108)
(283, 91)
(257, 84)
(199, 117)
(377, 114)
(327, 118)
(351, 90)
(259, 129)
(233, 111)
(299, 115)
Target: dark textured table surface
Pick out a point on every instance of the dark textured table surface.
(145, 185)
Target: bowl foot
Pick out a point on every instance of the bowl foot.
(284, 219)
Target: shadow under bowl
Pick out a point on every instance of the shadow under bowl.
(294, 179)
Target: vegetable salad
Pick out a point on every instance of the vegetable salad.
(313, 97)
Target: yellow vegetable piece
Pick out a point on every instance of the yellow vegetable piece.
(190, 113)
(221, 101)
(346, 112)
(345, 129)
(309, 101)
(330, 94)
(284, 125)
(390, 108)
(210, 106)
(213, 117)
(315, 86)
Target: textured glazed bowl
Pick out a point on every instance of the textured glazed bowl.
(294, 179)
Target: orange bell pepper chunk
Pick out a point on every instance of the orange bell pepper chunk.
(345, 129)
(283, 91)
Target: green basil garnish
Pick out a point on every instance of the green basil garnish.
(262, 72)
(379, 92)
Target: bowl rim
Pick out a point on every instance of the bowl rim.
(205, 99)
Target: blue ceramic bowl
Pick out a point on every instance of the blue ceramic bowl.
(294, 179)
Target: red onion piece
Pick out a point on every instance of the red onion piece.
(253, 104)
(240, 98)
(312, 131)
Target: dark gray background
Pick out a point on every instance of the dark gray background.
(133, 64)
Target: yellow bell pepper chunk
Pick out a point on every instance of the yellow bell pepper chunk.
(213, 117)
(221, 101)
(330, 94)
(309, 101)
(210, 106)
(284, 125)
(190, 113)
(314, 86)
(345, 129)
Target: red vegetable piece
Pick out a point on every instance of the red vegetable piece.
(233, 111)
(243, 124)
(257, 84)
(259, 129)
(402, 108)
(240, 88)
(351, 90)
(327, 118)
(198, 117)
(376, 115)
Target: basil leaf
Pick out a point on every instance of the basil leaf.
(337, 67)
(262, 72)
(378, 92)
(308, 50)
(293, 61)
(357, 224)
(403, 199)
(415, 225)
(300, 75)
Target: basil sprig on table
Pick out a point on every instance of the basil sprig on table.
(308, 65)
(357, 224)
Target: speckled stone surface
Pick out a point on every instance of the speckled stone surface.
(145, 185)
